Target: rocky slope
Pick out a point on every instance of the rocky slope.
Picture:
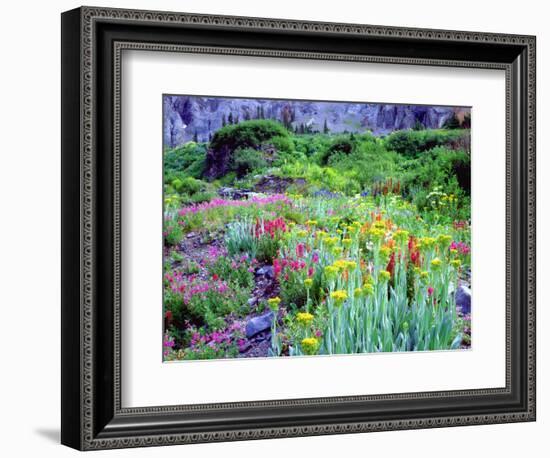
(188, 117)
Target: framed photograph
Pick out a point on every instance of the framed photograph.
(276, 228)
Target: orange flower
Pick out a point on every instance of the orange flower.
(364, 228)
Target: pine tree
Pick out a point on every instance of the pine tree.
(224, 122)
(195, 137)
(230, 118)
(325, 127)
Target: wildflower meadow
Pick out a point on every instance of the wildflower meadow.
(290, 237)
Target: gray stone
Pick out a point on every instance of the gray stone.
(463, 299)
(267, 271)
(259, 324)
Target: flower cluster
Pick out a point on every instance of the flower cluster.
(271, 227)
(217, 203)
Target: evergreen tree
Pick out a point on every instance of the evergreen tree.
(230, 118)
(325, 127)
(224, 122)
(195, 137)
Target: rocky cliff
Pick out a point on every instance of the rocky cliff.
(188, 117)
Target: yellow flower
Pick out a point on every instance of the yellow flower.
(456, 263)
(340, 264)
(321, 235)
(350, 265)
(379, 225)
(377, 234)
(357, 292)
(311, 222)
(274, 303)
(385, 251)
(339, 297)
(302, 233)
(352, 229)
(401, 236)
(444, 240)
(304, 318)
(308, 282)
(331, 241)
(436, 263)
(310, 345)
(347, 242)
(331, 271)
(427, 243)
(424, 275)
(454, 251)
(339, 231)
(384, 275)
(368, 289)
(336, 250)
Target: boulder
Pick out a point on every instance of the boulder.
(463, 298)
(266, 271)
(252, 301)
(259, 324)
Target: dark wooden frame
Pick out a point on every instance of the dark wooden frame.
(92, 42)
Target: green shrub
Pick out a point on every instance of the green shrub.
(173, 233)
(187, 185)
(267, 247)
(438, 167)
(246, 160)
(188, 159)
(282, 143)
(412, 142)
(212, 307)
(341, 145)
(233, 271)
(248, 134)
(202, 196)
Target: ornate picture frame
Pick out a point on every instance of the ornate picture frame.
(92, 413)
